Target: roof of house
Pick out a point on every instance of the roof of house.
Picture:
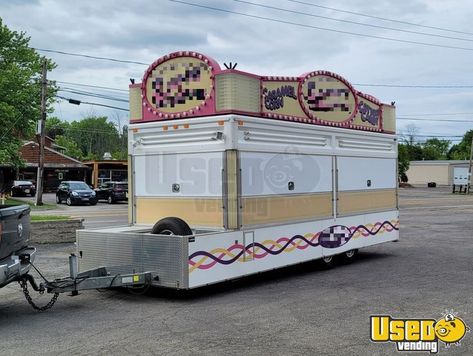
(438, 162)
(52, 158)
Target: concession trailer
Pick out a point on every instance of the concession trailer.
(232, 174)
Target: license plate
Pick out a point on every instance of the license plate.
(85, 199)
(27, 190)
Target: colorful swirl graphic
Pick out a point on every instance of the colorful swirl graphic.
(332, 237)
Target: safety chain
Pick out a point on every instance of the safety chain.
(24, 285)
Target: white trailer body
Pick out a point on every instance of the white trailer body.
(343, 197)
(260, 192)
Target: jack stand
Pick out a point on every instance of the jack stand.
(73, 269)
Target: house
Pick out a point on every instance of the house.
(57, 166)
(106, 170)
(439, 171)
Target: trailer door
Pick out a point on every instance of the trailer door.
(184, 185)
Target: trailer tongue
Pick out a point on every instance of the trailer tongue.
(98, 278)
(17, 259)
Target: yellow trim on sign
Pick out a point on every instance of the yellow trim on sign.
(136, 107)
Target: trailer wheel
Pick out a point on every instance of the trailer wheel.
(329, 261)
(171, 226)
(349, 256)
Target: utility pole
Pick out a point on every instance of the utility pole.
(42, 135)
(469, 169)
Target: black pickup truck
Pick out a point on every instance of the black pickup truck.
(14, 236)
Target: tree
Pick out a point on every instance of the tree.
(20, 73)
(55, 127)
(90, 137)
(413, 148)
(462, 150)
(402, 161)
(122, 153)
(94, 136)
(71, 148)
(434, 149)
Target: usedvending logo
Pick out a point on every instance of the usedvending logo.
(418, 334)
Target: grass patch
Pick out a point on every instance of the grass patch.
(14, 202)
(49, 217)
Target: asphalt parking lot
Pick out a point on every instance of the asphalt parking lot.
(95, 216)
(298, 310)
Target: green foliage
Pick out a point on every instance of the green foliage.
(95, 136)
(20, 100)
(403, 161)
(431, 149)
(55, 127)
(49, 217)
(9, 153)
(89, 138)
(462, 150)
(72, 150)
(435, 149)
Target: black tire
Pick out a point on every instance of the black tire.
(349, 256)
(58, 200)
(69, 201)
(329, 261)
(171, 226)
(110, 200)
(93, 202)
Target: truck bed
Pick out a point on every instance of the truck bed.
(14, 236)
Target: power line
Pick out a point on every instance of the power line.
(415, 86)
(380, 18)
(89, 56)
(91, 86)
(352, 22)
(427, 135)
(91, 94)
(442, 114)
(357, 84)
(270, 19)
(81, 130)
(430, 120)
(78, 102)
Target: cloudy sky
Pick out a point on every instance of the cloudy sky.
(402, 49)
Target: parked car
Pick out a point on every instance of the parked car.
(113, 192)
(75, 192)
(22, 188)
